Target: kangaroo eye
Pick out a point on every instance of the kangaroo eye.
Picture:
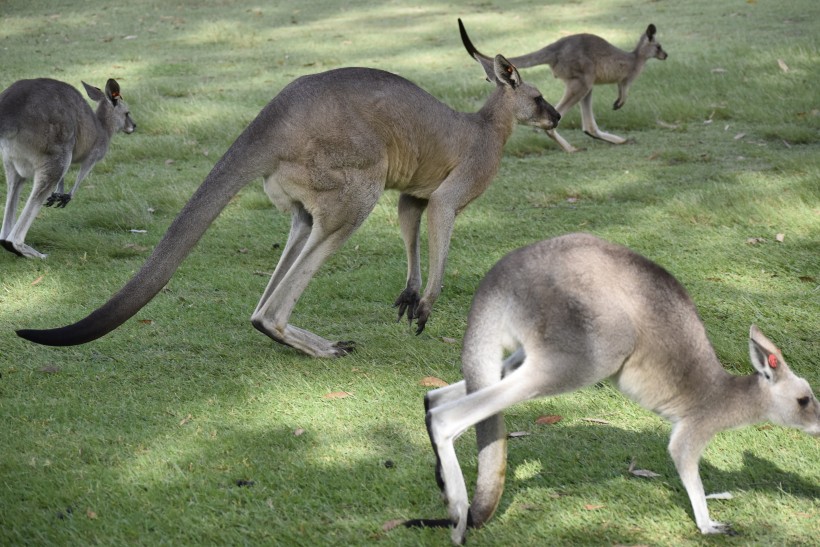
(803, 401)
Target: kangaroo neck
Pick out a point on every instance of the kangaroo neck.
(742, 400)
(497, 114)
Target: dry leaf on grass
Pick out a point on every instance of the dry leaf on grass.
(783, 66)
(549, 419)
(432, 381)
(91, 514)
(516, 434)
(37, 281)
(590, 507)
(186, 419)
(755, 240)
(298, 432)
(780, 238)
(720, 496)
(337, 395)
(448, 340)
(645, 473)
(145, 321)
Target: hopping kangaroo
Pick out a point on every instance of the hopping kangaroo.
(45, 126)
(582, 61)
(575, 310)
(327, 146)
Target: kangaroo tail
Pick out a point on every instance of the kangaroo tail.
(491, 437)
(544, 56)
(222, 183)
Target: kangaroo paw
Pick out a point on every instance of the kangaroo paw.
(62, 200)
(422, 315)
(407, 301)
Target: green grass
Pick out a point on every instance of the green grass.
(146, 436)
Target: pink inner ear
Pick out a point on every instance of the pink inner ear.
(773, 360)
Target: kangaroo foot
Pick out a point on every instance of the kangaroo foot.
(21, 249)
(608, 137)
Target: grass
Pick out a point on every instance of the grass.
(179, 427)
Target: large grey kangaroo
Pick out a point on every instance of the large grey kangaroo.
(582, 61)
(45, 126)
(327, 146)
(575, 310)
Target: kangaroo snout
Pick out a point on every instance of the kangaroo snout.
(130, 126)
(549, 116)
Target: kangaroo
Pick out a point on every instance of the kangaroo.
(575, 310)
(45, 126)
(582, 61)
(327, 146)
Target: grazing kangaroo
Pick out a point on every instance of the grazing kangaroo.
(327, 146)
(45, 126)
(582, 61)
(575, 310)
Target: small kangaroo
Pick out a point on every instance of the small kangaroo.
(327, 146)
(45, 126)
(582, 61)
(575, 310)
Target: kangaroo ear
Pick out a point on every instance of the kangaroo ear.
(505, 72)
(650, 31)
(765, 356)
(94, 93)
(112, 91)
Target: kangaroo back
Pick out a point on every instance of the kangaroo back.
(41, 112)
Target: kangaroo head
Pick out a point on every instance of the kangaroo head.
(791, 400)
(648, 47)
(112, 109)
(530, 106)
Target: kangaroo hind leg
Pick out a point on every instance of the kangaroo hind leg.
(14, 185)
(44, 180)
(573, 93)
(589, 125)
(317, 231)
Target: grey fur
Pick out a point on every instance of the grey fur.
(45, 126)
(327, 147)
(582, 61)
(576, 310)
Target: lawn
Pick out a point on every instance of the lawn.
(187, 426)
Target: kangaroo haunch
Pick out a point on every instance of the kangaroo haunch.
(575, 310)
(45, 126)
(327, 146)
(582, 61)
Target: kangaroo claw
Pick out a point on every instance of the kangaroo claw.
(407, 301)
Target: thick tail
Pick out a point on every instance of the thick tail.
(544, 56)
(223, 182)
(491, 437)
